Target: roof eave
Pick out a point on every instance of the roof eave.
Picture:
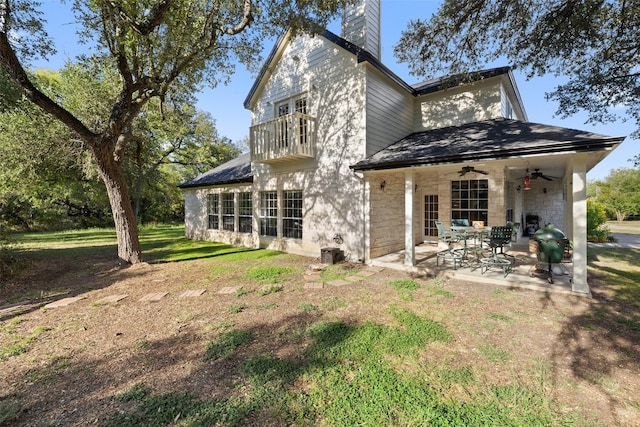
(579, 146)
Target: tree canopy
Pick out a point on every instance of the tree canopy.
(595, 44)
(618, 192)
(153, 45)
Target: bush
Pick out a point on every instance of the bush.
(596, 218)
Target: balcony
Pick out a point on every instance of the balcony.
(283, 139)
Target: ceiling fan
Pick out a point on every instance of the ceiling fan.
(466, 169)
(537, 174)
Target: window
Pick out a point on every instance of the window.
(283, 125)
(228, 214)
(245, 214)
(292, 215)
(213, 211)
(289, 129)
(303, 124)
(269, 213)
(470, 200)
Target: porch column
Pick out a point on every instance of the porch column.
(409, 247)
(579, 192)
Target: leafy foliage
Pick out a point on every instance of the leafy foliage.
(594, 43)
(596, 218)
(619, 192)
(158, 49)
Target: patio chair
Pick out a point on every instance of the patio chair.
(499, 237)
(450, 239)
(460, 222)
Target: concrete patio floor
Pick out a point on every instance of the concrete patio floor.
(526, 273)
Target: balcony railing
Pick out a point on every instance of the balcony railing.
(288, 137)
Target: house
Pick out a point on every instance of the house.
(344, 153)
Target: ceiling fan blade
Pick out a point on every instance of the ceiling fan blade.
(546, 177)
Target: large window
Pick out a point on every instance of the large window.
(245, 214)
(292, 215)
(213, 210)
(269, 213)
(228, 211)
(470, 200)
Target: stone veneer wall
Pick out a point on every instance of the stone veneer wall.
(550, 206)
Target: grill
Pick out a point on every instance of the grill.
(551, 246)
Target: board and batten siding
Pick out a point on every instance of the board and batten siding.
(389, 112)
(459, 105)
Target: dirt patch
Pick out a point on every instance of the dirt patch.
(111, 339)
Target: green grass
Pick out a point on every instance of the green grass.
(20, 344)
(268, 273)
(226, 343)
(270, 290)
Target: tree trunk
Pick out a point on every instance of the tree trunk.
(123, 215)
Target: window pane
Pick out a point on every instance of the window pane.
(245, 213)
(228, 214)
(213, 211)
(269, 213)
(292, 215)
(470, 199)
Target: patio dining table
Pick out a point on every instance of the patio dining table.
(478, 235)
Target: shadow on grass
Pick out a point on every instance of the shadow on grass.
(88, 261)
(333, 372)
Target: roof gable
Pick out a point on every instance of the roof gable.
(431, 86)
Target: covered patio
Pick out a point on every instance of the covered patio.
(495, 171)
(526, 273)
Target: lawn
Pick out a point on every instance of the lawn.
(255, 345)
(629, 227)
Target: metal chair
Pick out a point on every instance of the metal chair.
(499, 237)
(450, 239)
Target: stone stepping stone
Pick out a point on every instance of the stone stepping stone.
(229, 290)
(112, 298)
(365, 273)
(64, 302)
(374, 269)
(155, 296)
(354, 278)
(313, 277)
(193, 293)
(313, 285)
(338, 282)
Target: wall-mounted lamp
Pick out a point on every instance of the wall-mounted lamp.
(415, 188)
(518, 188)
(269, 103)
(383, 184)
(544, 190)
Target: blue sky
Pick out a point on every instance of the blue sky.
(233, 121)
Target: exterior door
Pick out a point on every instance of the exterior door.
(430, 232)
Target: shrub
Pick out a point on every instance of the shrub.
(596, 218)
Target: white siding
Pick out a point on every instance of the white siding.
(389, 112)
(460, 105)
(334, 86)
(361, 25)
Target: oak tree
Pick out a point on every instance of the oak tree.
(153, 44)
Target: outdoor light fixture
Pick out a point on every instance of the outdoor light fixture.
(383, 184)
(518, 188)
(527, 181)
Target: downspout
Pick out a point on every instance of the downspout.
(363, 243)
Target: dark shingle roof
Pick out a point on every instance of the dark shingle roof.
(362, 55)
(234, 171)
(485, 140)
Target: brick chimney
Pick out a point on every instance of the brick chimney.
(361, 25)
